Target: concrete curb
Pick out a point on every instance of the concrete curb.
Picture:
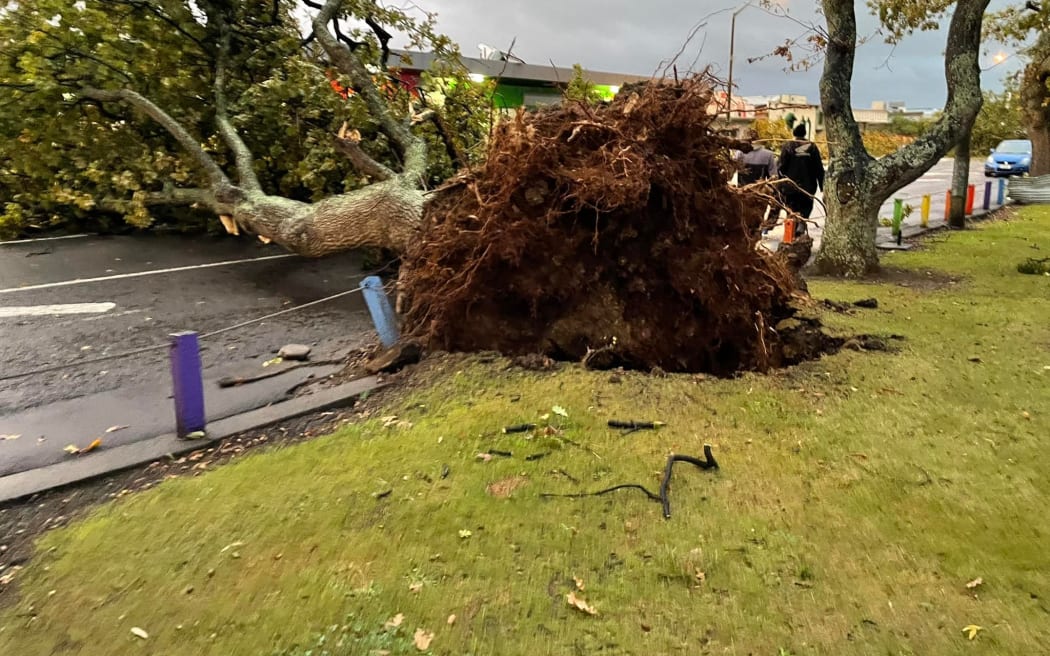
(912, 231)
(106, 461)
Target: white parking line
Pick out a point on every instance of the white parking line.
(30, 241)
(155, 272)
(54, 310)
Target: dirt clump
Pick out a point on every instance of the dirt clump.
(611, 229)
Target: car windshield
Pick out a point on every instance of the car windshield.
(1014, 147)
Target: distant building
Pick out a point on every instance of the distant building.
(520, 84)
(745, 109)
(531, 85)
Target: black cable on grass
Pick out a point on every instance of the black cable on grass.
(664, 498)
(520, 428)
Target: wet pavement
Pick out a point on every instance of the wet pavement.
(147, 309)
(70, 300)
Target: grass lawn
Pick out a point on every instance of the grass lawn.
(857, 497)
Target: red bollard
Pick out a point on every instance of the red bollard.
(969, 200)
(789, 230)
(947, 205)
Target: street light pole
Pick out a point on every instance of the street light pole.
(732, 48)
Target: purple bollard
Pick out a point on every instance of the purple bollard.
(187, 383)
(987, 195)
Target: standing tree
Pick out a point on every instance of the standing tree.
(857, 183)
(1015, 25)
(131, 105)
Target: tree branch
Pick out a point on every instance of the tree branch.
(962, 72)
(215, 174)
(169, 196)
(412, 148)
(243, 158)
(173, 23)
(172, 195)
(384, 39)
(837, 79)
(361, 160)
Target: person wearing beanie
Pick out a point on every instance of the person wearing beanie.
(800, 162)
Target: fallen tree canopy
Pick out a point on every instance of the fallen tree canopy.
(607, 234)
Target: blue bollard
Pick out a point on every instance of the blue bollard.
(1002, 192)
(987, 195)
(187, 383)
(379, 307)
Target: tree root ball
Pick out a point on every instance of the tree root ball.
(606, 233)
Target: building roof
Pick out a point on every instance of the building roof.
(513, 71)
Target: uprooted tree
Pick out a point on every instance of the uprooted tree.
(607, 234)
(125, 107)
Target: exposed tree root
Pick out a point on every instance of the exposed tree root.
(606, 235)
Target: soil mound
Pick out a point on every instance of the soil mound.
(607, 234)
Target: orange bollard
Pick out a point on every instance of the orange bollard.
(969, 200)
(948, 205)
(789, 231)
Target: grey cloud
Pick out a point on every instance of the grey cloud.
(627, 36)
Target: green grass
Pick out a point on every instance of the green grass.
(857, 497)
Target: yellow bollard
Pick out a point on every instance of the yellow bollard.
(926, 211)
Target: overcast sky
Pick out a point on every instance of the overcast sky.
(632, 36)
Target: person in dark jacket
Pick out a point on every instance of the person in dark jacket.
(800, 162)
(759, 163)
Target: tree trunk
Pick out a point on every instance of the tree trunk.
(1035, 101)
(386, 214)
(1040, 136)
(960, 181)
(848, 244)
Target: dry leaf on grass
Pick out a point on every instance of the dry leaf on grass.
(558, 410)
(974, 583)
(451, 619)
(580, 604)
(9, 575)
(484, 457)
(91, 447)
(465, 534)
(415, 587)
(395, 621)
(578, 581)
(503, 489)
(971, 631)
(139, 633)
(422, 639)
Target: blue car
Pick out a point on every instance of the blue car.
(1010, 157)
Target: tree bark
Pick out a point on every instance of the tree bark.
(385, 214)
(857, 184)
(848, 242)
(1035, 101)
(960, 181)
